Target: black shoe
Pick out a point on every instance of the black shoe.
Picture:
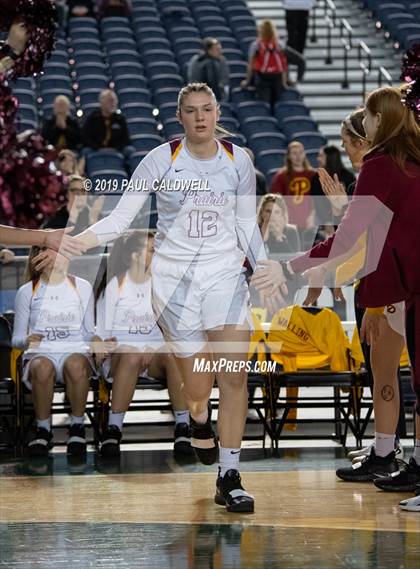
(76, 443)
(230, 493)
(40, 445)
(202, 433)
(110, 444)
(370, 468)
(405, 480)
(182, 440)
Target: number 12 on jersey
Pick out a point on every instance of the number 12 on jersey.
(202, 223)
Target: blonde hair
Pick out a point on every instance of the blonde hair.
(197, 87)
(267, 31)
(290, 146)
(398, 133)
(276, 199)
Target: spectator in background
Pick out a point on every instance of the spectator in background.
(273, 220)
(267, 65)
(294, 182)
(105, 127)
(297, 20)
(261, 188)
(61, 130)
(76, 211)
(81, 8)
(114, 8)
(68, 163)
(327, 215)
(210, 66)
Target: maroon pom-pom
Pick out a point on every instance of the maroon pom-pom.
(411, 74)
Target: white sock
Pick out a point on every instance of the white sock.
(182, 417)
(116, 419)
(416, 453)
(228, 459)
(384, 444)
(44, 423)
(75, 420)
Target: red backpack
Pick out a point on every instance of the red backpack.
(269, 58)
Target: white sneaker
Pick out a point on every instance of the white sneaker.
(411, 505)
(360, 452)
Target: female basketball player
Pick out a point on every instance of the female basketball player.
(205, 191)
(125, 320)
(54, 323)
(390, 173)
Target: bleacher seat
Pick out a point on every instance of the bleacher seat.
(270, 159)
(172, 128)
(133, 67)
(287, 109)
(130, 82)
(98, 82)
(167, 111)
(166, 95)
(58, 82)
(146, 142)
(257, 124)
(157, 55)
(261, 141)
(133, 95)
(168, 81)
(136, 110)
(295, 124)
(249, 109)
(147, 127)
(165, 67)
(106, 159)
(82, 22)
(310, 139)
(149, 44)
(136, 158)
(88, 56)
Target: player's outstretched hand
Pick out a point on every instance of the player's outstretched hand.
(269, 277)
(59, 240)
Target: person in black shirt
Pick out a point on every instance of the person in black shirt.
(210, 66)
(105, 127)
(114, 8)
(329, 158)
(75, 212)
(278, 235)
(61, 130)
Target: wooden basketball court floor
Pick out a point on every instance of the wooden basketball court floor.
(148, 510)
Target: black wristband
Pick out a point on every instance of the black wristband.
(289, 276)
(7, 51)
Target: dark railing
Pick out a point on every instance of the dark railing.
(346, 35)
(384, 74)
(330, 13)
(365, 62)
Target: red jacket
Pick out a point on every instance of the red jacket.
(397, 273)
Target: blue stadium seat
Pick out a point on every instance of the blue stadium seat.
(145, 142)
(312, 156)
(87, 43)
(114, 21)
(183, 32)
(144, 11)
(166, 95)
(160, 55)
(167, 111)
(310, 139)
(166, 81)
(295, 124)
(226, 109)
(82, 33)
(82, 22)
(152, 32)
(270, 159)
(243, 21)
(216, 31)
(88, 56)
(237, 66)
(136, 158)
(290, 95)
(165, 67)
(127, 96)
(52, 68)
(256, 124)
(26, 124)
(126, 68)
(104, 159)
(261, 141)
(92, 82)
(130, 82)
(185, 55)
(238, 139)
(25, 97)
(201, 11)
(89, 99)
(28, 113)
(120, 33)
(137, 110)
(172, 128)
(231, 53)
(141, 126)
(48, 82)
(187, 43)
(118, 44)
(49, 95)
(144, 22)
(149, 44)
(247, 109)
(113, 177)
(239, 95)
(286, 109)
(406, 33)
(229, 123)
(60, 57)
(86, 69)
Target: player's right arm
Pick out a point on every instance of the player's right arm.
(20, 338)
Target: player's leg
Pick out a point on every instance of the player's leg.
(76, 374)
(233, 406)
(41, 376)
(163, 366)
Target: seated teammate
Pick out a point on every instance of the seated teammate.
(54, 323)
(125, 320)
